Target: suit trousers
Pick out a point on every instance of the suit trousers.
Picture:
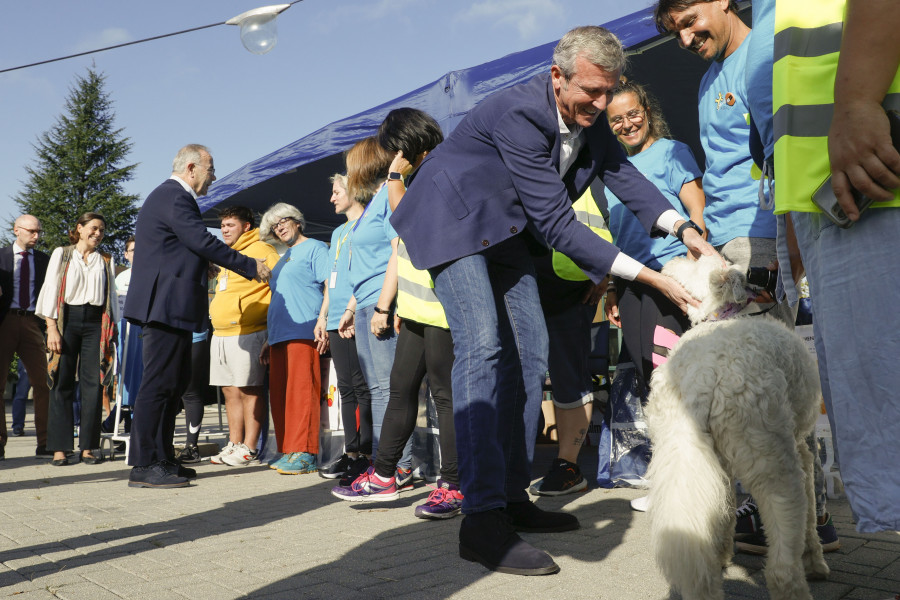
(167, 371)
(21, 334)
(81, 352)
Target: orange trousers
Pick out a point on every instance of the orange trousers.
(294, 395)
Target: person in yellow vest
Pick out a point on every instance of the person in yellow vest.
(424, 345)
(238, 315)
(830, 93)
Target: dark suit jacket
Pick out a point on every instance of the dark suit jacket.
(7, 282)
(498, 173)
(168, 280)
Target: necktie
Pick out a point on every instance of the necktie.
(25, 282)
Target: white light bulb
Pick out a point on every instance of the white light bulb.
(259, 33)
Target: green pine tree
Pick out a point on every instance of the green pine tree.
(80, 167)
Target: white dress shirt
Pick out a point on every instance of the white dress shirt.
(85, 284)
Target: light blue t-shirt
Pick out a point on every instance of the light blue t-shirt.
(732, 201)
(759, 71)
(338, 262)
(370, 249)
(296, 285)
(668, 165)
(199, 336)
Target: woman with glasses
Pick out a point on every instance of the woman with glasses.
(636, 120)
(78, 302)
(292, 352)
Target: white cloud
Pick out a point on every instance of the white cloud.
(527, 16)
(108, 37)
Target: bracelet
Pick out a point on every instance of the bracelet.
(351, 310)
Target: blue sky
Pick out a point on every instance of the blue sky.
(334, 58)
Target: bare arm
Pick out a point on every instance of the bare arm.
(859, 142)
(379, 324)
(694, 200)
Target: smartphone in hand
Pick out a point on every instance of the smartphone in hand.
(824, 196)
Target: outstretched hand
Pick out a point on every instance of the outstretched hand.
(263, 272)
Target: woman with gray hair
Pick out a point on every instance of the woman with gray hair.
(292, 352)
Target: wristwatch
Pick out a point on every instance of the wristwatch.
(381, 311)
(679, 233)
(395, 176)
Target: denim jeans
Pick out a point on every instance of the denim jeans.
(854, 284)
(20, 396)
(500, 343)
(376, 357)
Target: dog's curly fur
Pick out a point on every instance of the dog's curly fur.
(736, 399)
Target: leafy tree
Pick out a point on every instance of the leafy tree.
(80, 167)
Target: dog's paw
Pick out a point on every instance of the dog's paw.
(815, 567)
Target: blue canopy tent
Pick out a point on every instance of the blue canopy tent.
(298, 173)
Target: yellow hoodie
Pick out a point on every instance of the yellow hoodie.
(240, 305)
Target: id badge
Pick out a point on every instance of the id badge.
(332, 280)
(223, 281)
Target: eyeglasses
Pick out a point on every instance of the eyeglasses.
(283, 221)
(634, 116)
(211, 170)
(33, 231)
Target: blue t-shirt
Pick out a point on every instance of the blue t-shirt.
(668, 165)
(199, 336)
(338, 262)
(759, 71)
(370, 249)
(732, 201)
(296, 285)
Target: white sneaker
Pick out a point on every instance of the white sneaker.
(240, 456)
(641, 504)
(219, 459)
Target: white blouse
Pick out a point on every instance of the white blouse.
(85, 284)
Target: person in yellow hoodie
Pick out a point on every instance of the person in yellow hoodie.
(238, 315)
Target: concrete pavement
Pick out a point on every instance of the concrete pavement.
(79, 533)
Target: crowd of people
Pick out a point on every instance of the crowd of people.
(478, 260)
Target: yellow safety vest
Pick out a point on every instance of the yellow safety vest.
(416, 299)
(807, 45)
(586, 211)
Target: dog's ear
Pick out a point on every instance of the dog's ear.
(728, 285)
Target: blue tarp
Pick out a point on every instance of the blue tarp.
(448, 99)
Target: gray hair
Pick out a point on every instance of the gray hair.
(188, 154)
(276, 213)
(598, 45)
(341, 180)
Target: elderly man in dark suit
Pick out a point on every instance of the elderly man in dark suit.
(168, 298)
(22, 271)
(499, 189)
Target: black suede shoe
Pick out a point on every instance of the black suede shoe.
(176, 469)
(526, 516)
(155, 476)
(42, 452)
(488, 538)
(92, 459)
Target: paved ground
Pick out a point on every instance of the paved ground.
(79, 532)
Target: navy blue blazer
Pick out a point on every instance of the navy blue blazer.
(7, 281)
(498, 173)
(174, 249)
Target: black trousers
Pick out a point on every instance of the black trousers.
(421, 349)
(354, 394)
(81, 339)
(167, 370)
(641, 309)
(195, 397)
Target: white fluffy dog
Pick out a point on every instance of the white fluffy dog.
(736, 399)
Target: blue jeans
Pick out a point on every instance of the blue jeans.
(20, 395)
(854, 284)
(500, 343)
(376, 357)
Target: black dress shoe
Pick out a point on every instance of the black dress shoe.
(18, 431)
(155, 476)
(60, 462)
(488, 538)
(42, 452)
(526, 516)
(176, 469)
(91, 459)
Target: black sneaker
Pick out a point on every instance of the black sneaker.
(564, 477)
(357, 467)
(155, 476)
(336, 469)
(188, 455)
(748, 521)
(750, 535)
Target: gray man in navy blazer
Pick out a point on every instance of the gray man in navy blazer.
(168, 298)
(500, 187)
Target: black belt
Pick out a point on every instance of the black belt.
(21, 312)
